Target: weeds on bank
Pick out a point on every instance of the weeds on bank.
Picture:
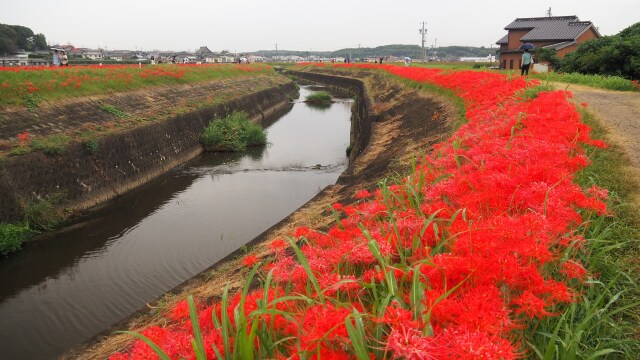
(12, 236)
(43, 213)
(40, 214)
(114, 111)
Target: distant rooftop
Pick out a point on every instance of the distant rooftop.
(549, 28)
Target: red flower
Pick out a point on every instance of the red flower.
(249, 260)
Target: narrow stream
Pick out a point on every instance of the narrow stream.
(58, 293)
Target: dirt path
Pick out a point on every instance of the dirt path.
(618, 111)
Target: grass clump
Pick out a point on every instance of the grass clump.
(597, 81)
(604, 322)
(114, 111)
(12, 236)
(92, 146)
(53, 144)
(321, 97)
(43, 213)
(232, 133)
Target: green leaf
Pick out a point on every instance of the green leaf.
(198, 347)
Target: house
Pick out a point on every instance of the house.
(560, 33)
(93, 54)
(204, 53)
(488, 58)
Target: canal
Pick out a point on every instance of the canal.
(62, 291)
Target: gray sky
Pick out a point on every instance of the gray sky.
(325, 25)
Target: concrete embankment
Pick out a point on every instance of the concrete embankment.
(126, 159)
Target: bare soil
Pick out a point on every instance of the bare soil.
(411, 121)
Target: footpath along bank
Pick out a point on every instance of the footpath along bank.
(468, 256)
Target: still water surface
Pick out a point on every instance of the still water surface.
(61, 292)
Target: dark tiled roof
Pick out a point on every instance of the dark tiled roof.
(550, 28)
(504, 40)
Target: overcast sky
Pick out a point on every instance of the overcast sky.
(325, 25)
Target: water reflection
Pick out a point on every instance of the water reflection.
(319, 106)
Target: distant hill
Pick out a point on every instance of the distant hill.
(412, 51)
(14, 37)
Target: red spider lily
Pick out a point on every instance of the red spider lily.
(249, 260)
(23, 139)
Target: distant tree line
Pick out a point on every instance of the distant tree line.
(412, 51)
(14, 37)
(617, 55)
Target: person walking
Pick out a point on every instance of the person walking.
(55, 58)
(526, 62)
(64, 59)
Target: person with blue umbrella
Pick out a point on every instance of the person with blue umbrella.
(526, 62)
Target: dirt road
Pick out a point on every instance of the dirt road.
(618, 111)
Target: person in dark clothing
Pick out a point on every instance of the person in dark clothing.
(526, 62)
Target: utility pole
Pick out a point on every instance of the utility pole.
(276, 52)
(423, 32)
(548, 12)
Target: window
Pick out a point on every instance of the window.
(511, 64)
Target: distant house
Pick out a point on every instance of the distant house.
(560, 33)
(488, 58)
(204, 53)
(93, 54)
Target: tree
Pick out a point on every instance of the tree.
(14, 37)
(40, 42)
(7, 39)
(617, 55)
(549, 56)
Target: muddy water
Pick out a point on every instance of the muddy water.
(60, 292)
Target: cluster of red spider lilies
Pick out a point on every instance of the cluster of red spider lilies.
(454, 261)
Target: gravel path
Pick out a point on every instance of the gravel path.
(618, 111)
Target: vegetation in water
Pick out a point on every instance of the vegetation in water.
(320, 98)
(232, 133)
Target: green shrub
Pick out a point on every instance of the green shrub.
(12, 236)
(232, 133)
(43, 213)
(92, 146)
(321, 97)
(617, 55)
